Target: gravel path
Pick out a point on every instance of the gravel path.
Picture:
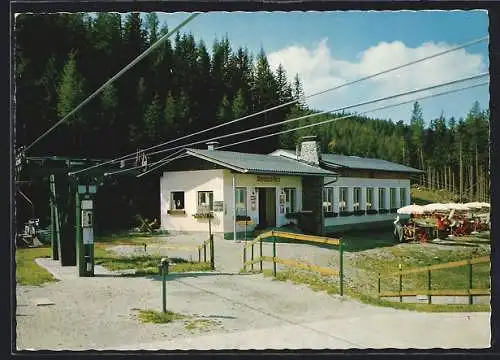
(239, 311)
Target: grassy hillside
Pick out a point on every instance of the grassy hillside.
(422, 196)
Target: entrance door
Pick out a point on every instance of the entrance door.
(267, 207)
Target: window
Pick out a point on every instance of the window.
(357, 198)
(393, 198)
(328, 199)
(402, 196)
(241, 201)
(369, 198)
(290, 200)
(177, 200)
(205, 201)
(381, 198)
(343, 199)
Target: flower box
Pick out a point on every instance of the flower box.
(176, 212)
(203, 216)
(359, 212)
(345, 213)
(371, 212)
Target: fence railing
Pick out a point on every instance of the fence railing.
(290, 262)
(470, 291)
(203, 246)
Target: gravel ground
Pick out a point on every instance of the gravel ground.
(240, 311)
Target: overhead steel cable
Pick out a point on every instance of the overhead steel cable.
(169, 159)
(343, 108)
(120, 73)
(458, 47)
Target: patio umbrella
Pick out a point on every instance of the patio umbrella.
(474, 205)
(411, 209)
(436, 207)
(457, 206)
(485, 205)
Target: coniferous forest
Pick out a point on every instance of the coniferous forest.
(186, 85)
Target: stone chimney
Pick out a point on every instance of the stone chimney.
(212, 144)
(309, 150)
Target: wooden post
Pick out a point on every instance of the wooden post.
(252, 256)
(274, 256)
(204, 251)
(469, 265)
(199, 254)
(400, 282)
(212, 255)
(378, 288)
(429, 286)
(260, 245)
(244, 258)
(341, 272)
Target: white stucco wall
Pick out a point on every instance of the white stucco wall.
(364, 183)
(250, 182)
(190, 182)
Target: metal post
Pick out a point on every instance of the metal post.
(199, 254)
(252, 256)
(274, 256)
(244, 258)
(429, 286)
(234, 208)
(341, 272)
(378, 284)
(400, 282)
(260, 246)
(469, 265)
(212, 256)
(80, 254)
(53, 224)
(164, 270)
(205, 251)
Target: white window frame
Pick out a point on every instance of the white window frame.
(290, 200)
(173, 203)
(328, 199)
(381, 198)
(343, 201)
(402, 197)
(207, 194)
(241, 206)
(369, 199)
(393, 199)
(356, 195)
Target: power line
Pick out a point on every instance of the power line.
(324, 112)
(470, 43)
(120, 73)
(326, 121)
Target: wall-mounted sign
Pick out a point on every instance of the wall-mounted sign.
(282, 209)
(88, 236)
(86, 204)
(218, 205)
(267, 178)
(253, 200)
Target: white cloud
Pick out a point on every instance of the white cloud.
(319, 69)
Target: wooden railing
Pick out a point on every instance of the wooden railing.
(289, 262)
(203, 245)
(470, 292)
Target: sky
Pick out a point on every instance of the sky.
(327, 49)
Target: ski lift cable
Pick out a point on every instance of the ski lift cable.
(120, 73)
(357, 114)
(343, 108)
(165, 160)
(467, 44)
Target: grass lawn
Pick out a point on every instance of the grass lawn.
(370, 253)
(423, 196)
(144, 265)
(27, 270)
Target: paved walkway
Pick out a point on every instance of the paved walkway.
(243, 312)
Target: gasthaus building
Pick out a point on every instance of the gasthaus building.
(323, 192)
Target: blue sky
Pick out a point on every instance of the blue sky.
(329, 48)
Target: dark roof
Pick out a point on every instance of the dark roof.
(336, 161)
(258, 163)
